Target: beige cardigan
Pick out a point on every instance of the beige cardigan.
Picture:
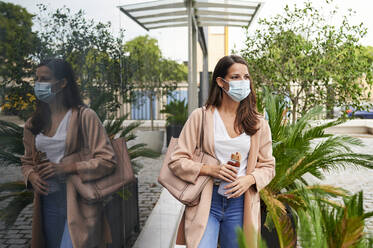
(87, 224)
(261, 164)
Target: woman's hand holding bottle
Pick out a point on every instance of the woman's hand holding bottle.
(239, 186)
(47, 169)
(38, 184)
(225, 172)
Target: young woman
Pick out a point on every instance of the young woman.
(61, 218)
(232, 124)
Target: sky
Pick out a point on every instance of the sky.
(173, 41)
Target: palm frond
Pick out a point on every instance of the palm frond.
(277, 211)
(296, 130)
(325, 190)
(143, 152)
(318, 131)
(330, 154)
(11, 143)
(114, 126)
(126, 132)
(329, 202)
(242, 243)
(366, 242)
(345, 226)
(129, 137)
(8, 195)
(8, 158)
(12, 186)
(293, 200)
(8, 128)
(275, 109)
(324, 226)
(310, 231)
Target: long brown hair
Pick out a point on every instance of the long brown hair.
(247, 115)
(41, 118)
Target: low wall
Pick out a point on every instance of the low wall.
(356, 126)
(353, 127)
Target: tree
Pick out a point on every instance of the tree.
(17, 46)
(95, 54)
(368, 52)
(17, 43)
(150, 74)
(302, 57)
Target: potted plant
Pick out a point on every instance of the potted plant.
(177, 115)
(301, 149)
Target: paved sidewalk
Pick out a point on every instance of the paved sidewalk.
(149, 188)
(19, 235)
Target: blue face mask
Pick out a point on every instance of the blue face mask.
(238, 90)
(43, 91)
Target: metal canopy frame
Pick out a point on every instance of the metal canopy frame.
(197, 15)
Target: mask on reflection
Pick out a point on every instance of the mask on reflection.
(43, 91)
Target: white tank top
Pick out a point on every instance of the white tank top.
(225, 145)
(54, 147)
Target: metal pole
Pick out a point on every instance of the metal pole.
(194, 63)
(190, 57)
(205, 73)
(205, 79)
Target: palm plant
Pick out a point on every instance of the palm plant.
(115, 129)
(177, 115)
(301, 149)
(338, 226)
(11, 143)
(177, 112)
(328, 224)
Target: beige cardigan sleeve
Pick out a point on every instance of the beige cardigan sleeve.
(181, 163)
(96, 140)
(264, 170)
(27, 159)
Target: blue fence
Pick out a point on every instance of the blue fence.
(179, 95)
(140, 108)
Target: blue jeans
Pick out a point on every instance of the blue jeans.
(55, 228)
(226, 215)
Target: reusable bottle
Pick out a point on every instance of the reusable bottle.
(234, 161)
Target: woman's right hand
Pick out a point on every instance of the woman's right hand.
(224, 172)
(38, 184)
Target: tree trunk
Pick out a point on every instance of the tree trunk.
(294, 111)
(151, 111)
(330, 98)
